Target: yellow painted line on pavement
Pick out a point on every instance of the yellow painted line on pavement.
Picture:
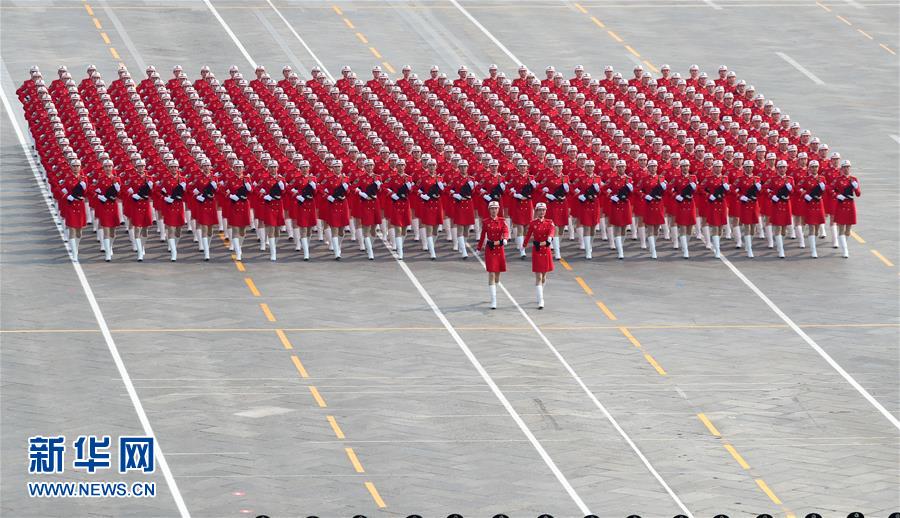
(630, 49)
(864, 33)
(334, 426)
(580, 8)
(337, 10)
(708, 424)
(823, 6)
(267, 311)
(87, 8)
(252, 286)
(362, 38)
(284, 339)
(389, 67)
(238, 264)
(375, 496)
(598, 22)
(737, 456)
(857, 237)
(354, 460)
(587, 289)
(609, 314)
(97, 24)
(349, 23)
(655, 365)
(375, 52)
(105, 37)
(765, 488)
(299, 366)
(115, 54)
(651, 66)
(615, 36)
(885, 47)
(883, 259)
(318, 397)
(565, 264)
(841, 18)
(630, 337)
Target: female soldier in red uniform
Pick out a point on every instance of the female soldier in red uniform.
(556, 191)
(587, 189)
(430, 214)
(521, 188)
(271, 187)
(239, 189)
(846, 189)
(618, 192)
(716, 188)
(303, 206)
(336, 213)
(399, 186)
(779, 188)
(652, 189)
(540, 233)
(463, 216)
(747, 188)
(141, 190)
(204, 189)
(74, 189)
(683, 187)
(173, 187)
(106, 192)
(812, 188)
(368, 214)
(494, 234)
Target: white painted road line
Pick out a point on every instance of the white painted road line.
(812, 343)
(261, 16)
(712, 4)
(486, 32)
(801, 68)
(896, 138)
(225, 26)
(302, 41)
(591, 396)
(98, 315)
(111, 14)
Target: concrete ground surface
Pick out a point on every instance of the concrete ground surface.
(383, 388)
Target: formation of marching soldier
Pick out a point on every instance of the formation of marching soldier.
(527, 160)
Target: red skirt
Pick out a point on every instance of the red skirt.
(495, 259)
(541, 260)
(654, 213)
(303, 214)
(845, 212)
(74, 213)
(108, 214)
(368, 212)
(558, 213)
(520, 211)
(780, 214)
(238, 213)
(619, 214)
(716, 213)
(271, 213)
(748, 213)
(463, 212)
(399, 214)
(813, 212)
(430, 213)
(337, 214)
(205, 213)
(684, 213)
(173, 214)
(589, 214)
(140, 214)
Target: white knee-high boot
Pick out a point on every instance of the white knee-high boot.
(398, 245)
(748, 244)
(173, 249)
(74, 244)
(642, 232)
(140, 248)
(238, 254)
(415, 229)
(273, 248)
(580, 234)
(540, 296)
(423, 237)
(297, 245)
(588, 246)
(684, 247)
(738, 240)
(675, 241)
(492, 288)
(779, 243)
(556, 254)
(369, 251)
(770, 237)
(429, 243)
(336, 247)
(461, 246)
(799, 233)
(360, 240)
(107, 248)
(329, 236)
(834, 236)
(454, 237)
(205, 243)
(844, 248)
(651, 242)
(619, 246)
(716, 242)
(520, 244)
(812, 246)
(304, 245)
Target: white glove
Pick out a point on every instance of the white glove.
(822, 185)
(267, 198)
(101, 198)
(300, 198)
(550, 197)
(116, 185)
(546, 189)
(364, 195)
(487, 198)
(201, 198)
(630, 186)
(233, 197)
(581, 197)
(518, 196)
(457, 197)
(503, 185)
(312, 184)
(135, 197)
(693, 185)
(425, 197)
(169, 200)
(663, 185)
(807, 197)
(841, 197)
(70, 198)
(330, 199)
(855, 184)
(196, 191)
(679, 198)
(378, 183)
(261, 191)
(712, 198)
(614, 198)
(775, 198)
(395, 197)
(214, 184)
(789, 187)
(440, 185)
(744, 198)
(758, 185)
(726, 186)
(648, 197)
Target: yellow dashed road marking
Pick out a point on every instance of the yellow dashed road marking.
(655, 365)
(318, 397)
(882, 258)
(737, 456)
(375, 496)
(284, 339)
(267, 311)
(252, 286)
(354, 460)
(587, 289)
(765, 487)
(299, 366)
(334, 426)
(609, 314)
(709, 426)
